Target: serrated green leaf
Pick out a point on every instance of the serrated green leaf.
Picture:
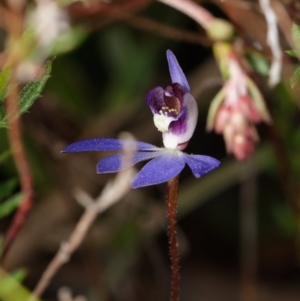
(295, 79)
(7, 188)
(296, 35)
(293, 53)
(33, 90)
(10, 205)
(28, 94)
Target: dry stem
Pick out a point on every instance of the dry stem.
(14, 26)
(112, 193)
(191, 9)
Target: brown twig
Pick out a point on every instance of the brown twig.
(152, 26)
(111, 194)
(22, 165)
(167, 30)
(13, 22)
(193, 10)
(172, 198)
(79, 10)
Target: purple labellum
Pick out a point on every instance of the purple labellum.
(173, 98)
(175, 110)
(155, 99)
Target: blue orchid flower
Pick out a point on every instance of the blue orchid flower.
(175, 114)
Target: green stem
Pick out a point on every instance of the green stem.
(172, 197)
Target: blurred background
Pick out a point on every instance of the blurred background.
(238, 227)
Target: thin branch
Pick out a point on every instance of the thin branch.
(152, 26)
(19, 155)
(111, 194)
(193, 10)
(14, 26)
(167, 31)
(79, 11)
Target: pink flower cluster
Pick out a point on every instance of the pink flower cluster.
(237, 111)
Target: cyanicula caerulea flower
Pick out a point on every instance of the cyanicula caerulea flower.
(175, 114)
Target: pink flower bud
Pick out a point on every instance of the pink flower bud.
(235, 110)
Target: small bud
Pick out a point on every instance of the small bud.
(220, 30)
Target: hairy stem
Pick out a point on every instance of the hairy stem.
(172, 197)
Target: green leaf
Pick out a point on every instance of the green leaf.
(4, 78)
(258, 100)
(12, 290)
(10, 205)
(259, 63)
(7, 188)
(293, 53)
(28, 94)
(5, 155)
(33, 90)
(295, 79)
(19, 275)
(296, 35)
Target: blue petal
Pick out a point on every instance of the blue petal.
(107, 144)
(118, 162)
(159, 170)
(176, 72)
(201, 165)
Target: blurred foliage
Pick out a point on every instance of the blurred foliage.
(295, 79)
(10, 287)
(258, 63)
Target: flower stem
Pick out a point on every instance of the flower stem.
(172, 197)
